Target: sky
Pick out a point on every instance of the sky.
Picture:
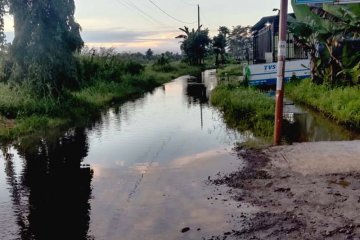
(137, 25)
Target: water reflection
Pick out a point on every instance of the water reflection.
(148, 159)
(196, 90)
(304, 125)
(51, 196)
(196, 93)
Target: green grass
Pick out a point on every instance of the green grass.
(23, 113)
(231, 71)
(178, 69)
(245, 109)
(341, 104)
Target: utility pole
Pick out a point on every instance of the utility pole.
(198, 17)
(280, 71)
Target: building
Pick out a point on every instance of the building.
(266, 38)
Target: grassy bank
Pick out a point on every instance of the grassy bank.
(102, 85)
(341, 103)
(230, 72)
(245, 109)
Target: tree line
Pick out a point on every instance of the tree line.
(196, 45)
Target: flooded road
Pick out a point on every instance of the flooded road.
(138, 172)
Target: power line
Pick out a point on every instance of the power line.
(143, 12)
(123, 4)
(130, 6)
(187, 3)
(174, 18)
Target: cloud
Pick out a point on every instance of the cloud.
(125, 40)
(113, 36)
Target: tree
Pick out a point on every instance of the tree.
(149, 54)
(195, 44)
(46, 38)
(333, 26)
(306, 37)
(3, 5)
(219, 46)
(240, 42)
(224, 31)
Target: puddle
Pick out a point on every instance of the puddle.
(342, 183)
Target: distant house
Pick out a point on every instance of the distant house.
(266, 38)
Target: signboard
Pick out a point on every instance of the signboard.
(346, 1)
(326, 1)
(313, 1)
(266, 74)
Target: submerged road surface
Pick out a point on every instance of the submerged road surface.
(138, 172)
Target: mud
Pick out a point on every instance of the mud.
(289, 203)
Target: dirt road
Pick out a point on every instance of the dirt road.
(302, 191)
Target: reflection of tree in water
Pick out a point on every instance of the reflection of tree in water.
(16, 191)
(57, 187)
(196, 90)
(196, 93)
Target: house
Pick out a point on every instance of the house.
(266, 38)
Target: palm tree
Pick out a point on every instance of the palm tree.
(222, 41)
(224, 31)
(194, 44)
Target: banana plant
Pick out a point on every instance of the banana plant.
(330, 26)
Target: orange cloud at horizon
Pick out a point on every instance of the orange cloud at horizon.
(136, 44)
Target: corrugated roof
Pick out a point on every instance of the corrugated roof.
(275, 18)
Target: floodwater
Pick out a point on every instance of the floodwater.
(139, 171)
(305, 125)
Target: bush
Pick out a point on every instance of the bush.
(105, 65)
(162, 64)
(133, 68)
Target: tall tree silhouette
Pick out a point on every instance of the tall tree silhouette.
(46, 37)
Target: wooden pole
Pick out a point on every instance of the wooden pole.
(280, 71)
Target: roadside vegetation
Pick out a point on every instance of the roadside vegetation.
(341, 104)
(230, 72)
(245, 109)
(330, 35)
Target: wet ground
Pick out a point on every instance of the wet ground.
(304, 191)
(141, 171)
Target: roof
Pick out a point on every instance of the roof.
(275, 18)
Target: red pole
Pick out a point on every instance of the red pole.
(281, 71)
